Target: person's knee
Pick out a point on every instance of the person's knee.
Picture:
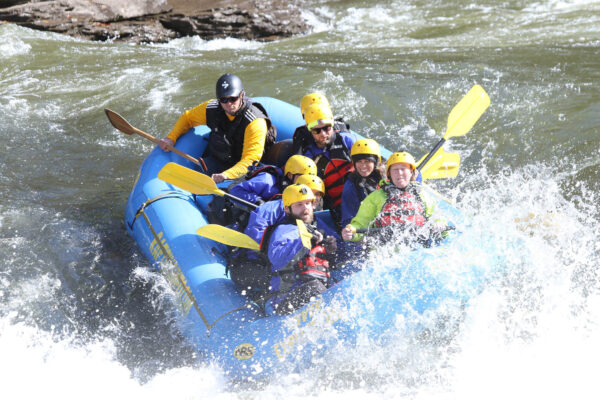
(300, 296)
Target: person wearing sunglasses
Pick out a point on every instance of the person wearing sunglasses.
(302, 137)
(330, 148)
(241, 131)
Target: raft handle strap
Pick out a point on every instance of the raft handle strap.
(145, 204)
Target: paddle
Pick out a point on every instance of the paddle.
(230, 237)
(441, 166)
(461, 119)
(305, 236)
(195, 182)
(227, 236)
(121, 124)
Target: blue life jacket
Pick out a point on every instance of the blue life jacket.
(355, 190)
(292, 263)
(260, 188)
(270, 213)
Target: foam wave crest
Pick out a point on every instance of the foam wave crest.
(68, 370)
(13, 46)
(198, 44)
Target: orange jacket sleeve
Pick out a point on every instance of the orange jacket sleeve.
(189, 119)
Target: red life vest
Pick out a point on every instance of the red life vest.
(315, 265)
(402, 207)
(333, 170)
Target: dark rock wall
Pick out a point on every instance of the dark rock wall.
(146, 21)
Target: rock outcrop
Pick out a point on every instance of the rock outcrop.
(156, 21)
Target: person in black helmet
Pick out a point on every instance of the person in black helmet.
(241, 130)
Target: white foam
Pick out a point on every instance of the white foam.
(319, 19)
(13, 47)
(561, 5)
(554, 359)
(198, 44)
(161, 93)
(35, 365)
(374, 17)
(413, 28)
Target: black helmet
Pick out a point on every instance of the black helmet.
(229, 85)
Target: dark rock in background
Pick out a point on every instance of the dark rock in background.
(157, 21)
(10, 3)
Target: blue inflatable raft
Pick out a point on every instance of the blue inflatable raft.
(233, 332)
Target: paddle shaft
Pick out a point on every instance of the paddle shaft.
(372, 229)
(431, 153)
(173, 149)
(124, 126)
(242, 201)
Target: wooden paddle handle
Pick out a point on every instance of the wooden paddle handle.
(173, 149)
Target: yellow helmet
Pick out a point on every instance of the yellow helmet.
(313, 182)
(299, 165)
(363, 148)
(312, 98)
(295, 193)
(400, 157)
(317, 114)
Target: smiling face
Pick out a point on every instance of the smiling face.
(364, 167)
(401, 174)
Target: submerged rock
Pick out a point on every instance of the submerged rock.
(147, 21)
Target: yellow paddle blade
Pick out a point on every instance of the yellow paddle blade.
(441, 166)
(227, 236)
(188, 179)
(468, 110)
(305, 236)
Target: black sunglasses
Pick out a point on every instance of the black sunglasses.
(224, 100)
(325, 128)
